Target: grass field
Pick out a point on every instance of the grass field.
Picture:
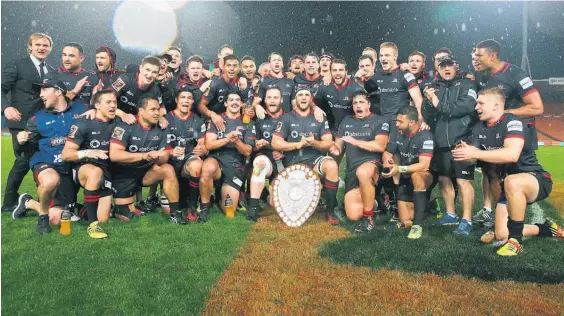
(231, 267)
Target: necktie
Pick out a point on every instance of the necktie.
(41, 70)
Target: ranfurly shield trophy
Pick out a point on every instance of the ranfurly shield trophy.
(296, 192)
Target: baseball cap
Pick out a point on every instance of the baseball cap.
(51, 83)
(446, 59)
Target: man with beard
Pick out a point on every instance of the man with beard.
(264, 69)
(47, 130)
(212, 103)
(17, 79)
(106, 67)
(175, 64)
(374, 55)
(277, 78)
(193, 79)
(139, 155)
(413, 150)
(449, 104)
(336, 98)
(311, 78)
(303, 139)
(325, 64)
(249, 71)
(185, 133)
(268, 162)
(87, 147)
(229, 147)
(363, 136)
(130, 87)
(365, 71)
(296, 65)
(78, 81)
(502, 139)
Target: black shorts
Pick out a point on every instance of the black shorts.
(315, 161)
(106, 183)
(351, 180)
(65, 195)
(545, 187)
(447, 167)
(126, 181)
(231, 174)
(405, 188)
(179, 165)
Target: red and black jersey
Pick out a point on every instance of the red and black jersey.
(336, 101)
(292, 127)
(410, 147)
(218, 92)
(138, 139)
(92, 134)
(229, 152)
(362, 129)
(265, 130)
(284, 84)
(492, 137)
(191, 129)
(392, 88)
(129, 93)
(311, 83)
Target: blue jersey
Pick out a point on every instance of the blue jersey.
(49, 131)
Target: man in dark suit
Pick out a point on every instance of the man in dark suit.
(17, 78)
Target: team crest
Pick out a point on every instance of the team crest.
(118, 84)
(279, 126)
(72, 131)
(118, 133)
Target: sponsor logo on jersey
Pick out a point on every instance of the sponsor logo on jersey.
(58, 141)
(526, 83)
(408, 76)
(515, 126)
(428, 145)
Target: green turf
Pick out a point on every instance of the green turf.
(441, 252)
(146, 267)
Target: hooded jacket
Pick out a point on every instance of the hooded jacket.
(109, 76)
(453, 118)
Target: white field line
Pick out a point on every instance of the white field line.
(538, 212)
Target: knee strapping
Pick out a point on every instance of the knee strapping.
(260, 173)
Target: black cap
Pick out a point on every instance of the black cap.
(303, 87)
(446, 59)
(327, 55)
(166, 56)
(51, 83)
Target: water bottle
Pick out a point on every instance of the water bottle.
(229, 207)
(65, 228)
(181, 144)
(246, 115)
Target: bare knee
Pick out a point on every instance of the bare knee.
(208, 170)
(364, 175)
(94, 176)
(50, 181)
(418, 179)
(330, 168)
(195, 167)
(511, 185)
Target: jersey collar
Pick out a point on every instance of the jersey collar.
(180, 118)
(314, 78)
(344, 84)
(496, 121)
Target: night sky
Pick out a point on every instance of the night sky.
(258, 28)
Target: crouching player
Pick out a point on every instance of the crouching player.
(413, 150)
(506, 142)
(87, 146)
(363, 137)
(185, 133)
(139, 155)
(268, 162)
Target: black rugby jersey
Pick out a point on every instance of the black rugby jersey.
(312, 83)
(190, 129)
(229, 152)
(336, 101)
(392, 88)
(362, 129)
(71, 78)
(284, 84)
(265, 130)
(292, 127)
(92, 134)
(217, 93)
(128, 92)
(410, 147)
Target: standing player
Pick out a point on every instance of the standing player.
(87, 147)
(229, 148)
(268, 162)
(296, 65)
(416, 67)
(186, 132)
(175, 65)
(363, 137)
(449, 105)
(48, 130)
(413, 150)
(325, 64)
(277, 78)
(212, 104)
(105, 67)
(305, 140)
(502, 139)
(311, 78)
(139, 155)
(365, 71)
(78, 81)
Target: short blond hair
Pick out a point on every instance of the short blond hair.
(495, 91)
(389, 45)
(36, 36)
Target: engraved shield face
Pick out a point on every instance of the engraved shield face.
(296, 192)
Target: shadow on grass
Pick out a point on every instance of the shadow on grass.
(441, 252)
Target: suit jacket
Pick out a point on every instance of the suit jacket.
(17, 78)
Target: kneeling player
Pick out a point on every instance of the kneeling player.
(228, 151)
(186, 132)
(413, 149)
(364, 137)
(268, 162)
(525, 182)
(87, 146)
(305, 140)
(139, 155)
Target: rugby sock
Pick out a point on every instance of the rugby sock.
(253, 203)
(193, 192)
(173, 207)
(544, 230)
(420, 203)
(367, 213)
(515, 229)
(204, 206)
(331, 195)
(91, 199)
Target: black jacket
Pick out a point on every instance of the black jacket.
(453, 118)
(17, 78)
